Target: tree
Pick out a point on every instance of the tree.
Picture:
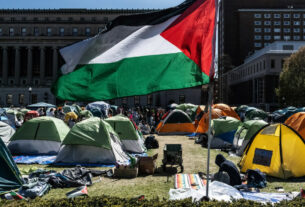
(291, 90)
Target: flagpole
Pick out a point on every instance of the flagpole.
(210, 95)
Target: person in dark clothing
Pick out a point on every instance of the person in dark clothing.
(226, 166)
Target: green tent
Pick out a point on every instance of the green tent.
(130, 137)
(10, 177)
(91, 141)
(245, 132)
(255, 114)
(85, 114)
(189, 108)
(223, 131)
(41, 135)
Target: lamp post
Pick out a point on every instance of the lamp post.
(30, 94)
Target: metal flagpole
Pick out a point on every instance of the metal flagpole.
(210, 98)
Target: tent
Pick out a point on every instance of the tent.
(203, 124)
(189, 108)
(254, 113)
(276, 150)
(30, 115)
(224, 129)
(176, 122)
(228, 111)
(131, 139)
(85, 114)
(6, 132)
(67, 109)
(70, 115)
(98, 108)
(245, 132)
(297, 122)
(282, 115)
(41, 105)
(13, 115)
(42, 135)
(92, 141)
(5, 119)
(10, 178)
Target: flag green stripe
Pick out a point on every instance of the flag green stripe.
(129, 77)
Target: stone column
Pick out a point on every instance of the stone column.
(4, 65)
(29, 66)
(42, 65)
(55, 63)
(17, 65)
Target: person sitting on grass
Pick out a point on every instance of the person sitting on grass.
(228, 172)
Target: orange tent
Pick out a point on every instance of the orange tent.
(297, 122)
(203, 124)
(176, 122)
(227, 110)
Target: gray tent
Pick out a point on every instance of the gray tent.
(6, 132)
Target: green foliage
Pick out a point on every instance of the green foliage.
(291, 91)
(115, 201)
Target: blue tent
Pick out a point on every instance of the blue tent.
(41, 105)
(281, 115)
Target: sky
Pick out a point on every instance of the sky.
(88, 4)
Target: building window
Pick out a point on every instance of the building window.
(149, 99)
(136, 100)
(11, 31)
(277, 30)
(267, 23)
(61, 31)
(75, 31)
(286, 16)
(105, 19)
(277, 37)
(21, 99)
(257, 23)
(286, 38)
(70, 19)
(296, 23)
(257, 29)
(93, 19)
(257, 44)
(267, 15)
(257, 37)
(34, 98)
(287, 47)
(23, 18)
(267, 37)
(35, 19)
(266, 44)
(267, 30)
(23, 31)
(303, 37)
(296, 30)
(277, 23)
(286, 30)
(277, 16)
(49, 31)
(296, 37)
(272, 63)
(124, 100)
(0, 31)
(296, 15)
(9, 99)
(257, 16)
(88, 31)
(181, 99)
(82, 19)
(286, 23)
(36, 31)
(46, 19)
(58, 19)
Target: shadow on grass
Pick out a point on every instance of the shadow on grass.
(290, 180)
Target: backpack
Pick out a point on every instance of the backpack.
(151, 142)
(256, 179)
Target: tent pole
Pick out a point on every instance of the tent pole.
(210, 100)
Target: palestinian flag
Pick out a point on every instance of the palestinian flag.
(143, 53)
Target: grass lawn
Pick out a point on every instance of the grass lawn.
(158, 185)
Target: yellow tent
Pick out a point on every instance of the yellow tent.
(276, 150)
